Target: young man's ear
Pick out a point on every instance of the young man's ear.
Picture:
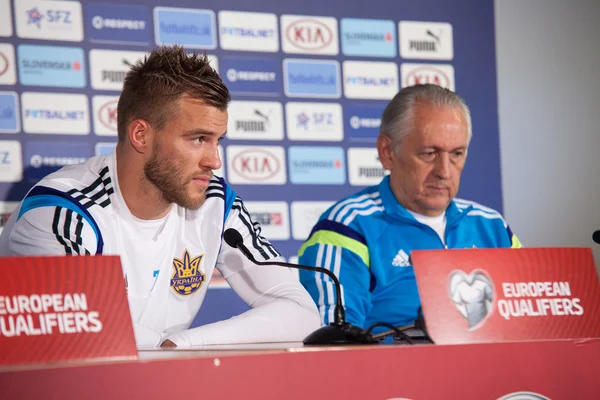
(138, 135)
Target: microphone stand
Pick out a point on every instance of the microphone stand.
(339, 332)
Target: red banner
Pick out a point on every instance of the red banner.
(556, 370)
(487, 295)
(63, 308)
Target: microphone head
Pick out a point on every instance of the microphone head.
(232, 237)
(596, 237)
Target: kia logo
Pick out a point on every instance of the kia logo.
(107, 114)
(309, 34)
(423, 75)
(256, 165)
(3, 63)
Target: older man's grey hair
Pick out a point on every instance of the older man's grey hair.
(397, 118)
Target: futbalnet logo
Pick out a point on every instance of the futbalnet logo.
(370, 80)
(247, 31)
(56, 113)
(473, 295)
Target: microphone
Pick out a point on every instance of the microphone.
(596, 237)
(339, 331)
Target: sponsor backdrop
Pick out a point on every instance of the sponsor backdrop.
(309, 81)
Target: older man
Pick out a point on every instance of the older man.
(366, 238)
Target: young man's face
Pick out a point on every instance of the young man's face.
(185, 152)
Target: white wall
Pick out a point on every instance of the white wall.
(548, 59)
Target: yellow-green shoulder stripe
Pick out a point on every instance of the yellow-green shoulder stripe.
(516, 243)
(336, 239)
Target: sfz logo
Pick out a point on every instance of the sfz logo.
(35, 17)
(187, 277)
(473, 296)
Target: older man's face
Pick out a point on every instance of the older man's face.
(426, 166)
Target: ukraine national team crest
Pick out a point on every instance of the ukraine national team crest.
(187, 277)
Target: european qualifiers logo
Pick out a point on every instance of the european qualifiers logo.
(473, 295)
(48, 314)
(524, 396)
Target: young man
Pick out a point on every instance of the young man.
(366, 238)
(156, 204)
